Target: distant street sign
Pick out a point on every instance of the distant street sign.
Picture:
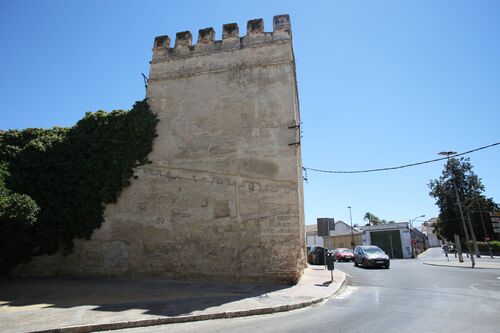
(325, 226)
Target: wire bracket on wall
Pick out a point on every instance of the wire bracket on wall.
(146, 80)
(305, 175)
(297, 128)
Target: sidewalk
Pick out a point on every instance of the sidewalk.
(436, 257)
(86, 305)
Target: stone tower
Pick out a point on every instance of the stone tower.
(227, 159)
(222, 199)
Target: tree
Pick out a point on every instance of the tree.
(372, 219)
(18, 213)
(54, 183)
(470, 191)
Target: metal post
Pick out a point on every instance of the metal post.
(411, 240)
(392, 250)
(458, 249)
(352, 231)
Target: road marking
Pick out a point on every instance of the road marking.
(474, 284)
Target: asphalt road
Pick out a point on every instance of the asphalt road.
(409, 297)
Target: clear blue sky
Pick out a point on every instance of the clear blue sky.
(381, 83)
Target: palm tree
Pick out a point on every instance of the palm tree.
(372, 219)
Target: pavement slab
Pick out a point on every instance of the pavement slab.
(89, 304)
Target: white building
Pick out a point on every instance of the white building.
(341, 229)
(312, 237)
(393, 238)
(427, 228)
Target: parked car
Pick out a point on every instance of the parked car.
(370, 255)
(343, 254)
(316, 255)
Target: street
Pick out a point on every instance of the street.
(409, 297)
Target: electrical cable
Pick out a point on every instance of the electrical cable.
(406, 165)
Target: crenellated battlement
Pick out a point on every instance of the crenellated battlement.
(231, 39)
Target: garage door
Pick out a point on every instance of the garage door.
(384, 239)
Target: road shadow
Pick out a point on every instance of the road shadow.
(155, 297)
(324, 284)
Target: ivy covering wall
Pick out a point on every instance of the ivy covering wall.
(54, 183)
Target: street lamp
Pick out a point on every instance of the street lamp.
(352, 231)
(447, 154)
(411, 239)
(413, 220)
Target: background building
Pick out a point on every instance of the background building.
(312, 237)
(393, 238)
(427, 229)
(341, 236)
(419, 242)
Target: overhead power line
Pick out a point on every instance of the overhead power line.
(403, 166)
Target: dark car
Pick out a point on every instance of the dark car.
(316, 255)
(343, 254)
(370, 255)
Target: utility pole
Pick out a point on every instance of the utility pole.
(448, 153)
(458, 248)
(486, 235)
(464, 227)
(473, 235)
(482, 220)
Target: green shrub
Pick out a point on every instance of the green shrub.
(70, 173)
(18, 212)
(17, 208)
(484, 246)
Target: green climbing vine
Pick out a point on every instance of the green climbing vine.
(55, 182)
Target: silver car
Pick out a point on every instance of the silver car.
(370, 255)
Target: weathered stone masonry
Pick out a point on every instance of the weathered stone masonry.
(222, 199)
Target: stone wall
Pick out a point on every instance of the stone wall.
(222, 199)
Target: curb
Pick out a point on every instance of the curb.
(191, 318)
(467, 267)
(421, 255)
